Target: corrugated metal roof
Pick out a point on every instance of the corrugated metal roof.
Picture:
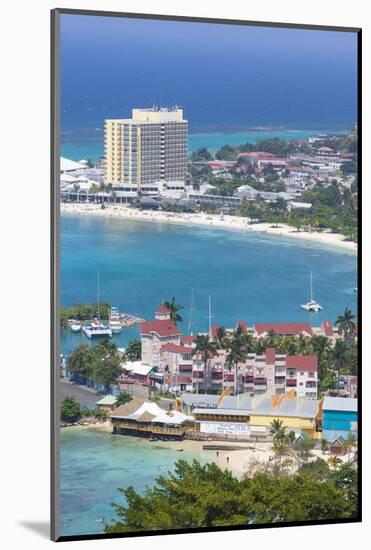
(199, 399)
(340, 404)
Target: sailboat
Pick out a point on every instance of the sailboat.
(312, 305)
(97, 328)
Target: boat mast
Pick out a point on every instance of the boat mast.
(311, 286)
(98, 300)
(191, 320)
(210, 317)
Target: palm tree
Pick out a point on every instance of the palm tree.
(324, 445)
(349, 443)
(173, 307)
(206, 349)
(271, 339)
(302, 344)
(249, 341)
(334, 462)
(277, 429)
(221, 337)
(346, 325)
(76, 188)
(94, 190)
(237, 353)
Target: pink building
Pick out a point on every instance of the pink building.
(155, 334)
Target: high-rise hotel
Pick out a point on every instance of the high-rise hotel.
(150, 147)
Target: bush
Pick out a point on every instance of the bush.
(70, 410)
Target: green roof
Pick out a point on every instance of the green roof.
(107, 400)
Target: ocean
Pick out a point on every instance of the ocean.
(77, 145)
(95, 463)
(250, 277)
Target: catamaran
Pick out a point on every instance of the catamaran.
(114, 321)
(312, 305)
(96, 328)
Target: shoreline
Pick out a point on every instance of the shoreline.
(202, 219)
(239, 462)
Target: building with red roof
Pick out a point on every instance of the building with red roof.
(155, 334)
(242, 325)
(162, 313)
(282, 329)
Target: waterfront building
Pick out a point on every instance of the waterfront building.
(156, 334)
(149, 147)
(339, 417)
(144, 418)
(107, 403)
(246, 417)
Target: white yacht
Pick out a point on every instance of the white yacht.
(96, 328)
(75, 327)
(312, 305)
(114, 321)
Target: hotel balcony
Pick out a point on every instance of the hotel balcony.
(260, 381)
(291, 382)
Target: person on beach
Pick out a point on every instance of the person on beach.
(227, 460)
(217, 454)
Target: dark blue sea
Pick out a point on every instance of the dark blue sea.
(239, 82)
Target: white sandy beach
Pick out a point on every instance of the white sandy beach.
(227, 222)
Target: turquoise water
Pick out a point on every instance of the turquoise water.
(77, 146)
(254, 277)
(95, 463)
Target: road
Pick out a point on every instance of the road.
(87, 396)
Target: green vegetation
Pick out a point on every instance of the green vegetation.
(133, 351)
(198, 495)
(173, 307)
(123, 398)
(207, 349)
(201, 155)
(84, 312)
(346, 326)
(99, 363)
(70, 410)
(237, 353)
(227, 152)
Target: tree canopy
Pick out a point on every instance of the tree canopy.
(196, 495)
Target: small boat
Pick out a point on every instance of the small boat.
(114, 321)
(75, 327)
(312, 305)
(355, 289)
(95, 329)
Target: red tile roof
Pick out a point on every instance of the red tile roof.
(257, 154)
(187, 339)
(175, 348)
(214, 331)
(180, 379)
(270, 356)
(306, 363)
(243, 325)
(162, 328)
(283, 328)
(162, 309)
(327, 328)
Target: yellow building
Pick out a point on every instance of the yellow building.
(150, 147)
(239, 416)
